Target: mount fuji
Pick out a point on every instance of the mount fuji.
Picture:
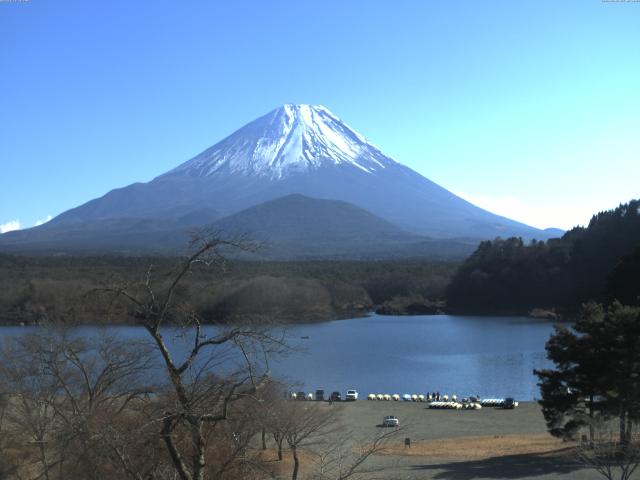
(293, 151)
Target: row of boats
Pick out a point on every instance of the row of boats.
(412, 397)
(445, 403)
(455, 405)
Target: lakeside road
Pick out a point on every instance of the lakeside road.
(462, 444)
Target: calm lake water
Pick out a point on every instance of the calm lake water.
(489, 356)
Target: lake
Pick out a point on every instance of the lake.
(465, 355)
(489, 356)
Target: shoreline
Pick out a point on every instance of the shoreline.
(341, 316)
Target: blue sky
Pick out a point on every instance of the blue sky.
(530, 109)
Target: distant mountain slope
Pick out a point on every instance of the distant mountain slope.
(295, 149)
(288, 228)
(303, 227)
(121, 236)
(295, 217)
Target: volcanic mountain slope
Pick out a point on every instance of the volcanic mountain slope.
(293, 227)
(295, 149)
(300, 227)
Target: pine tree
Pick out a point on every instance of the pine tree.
(597, 372)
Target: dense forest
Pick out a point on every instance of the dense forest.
(504, 276)
(600, 262)
(72, 289)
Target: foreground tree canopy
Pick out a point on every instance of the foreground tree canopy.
(182, 403)
(597, 374)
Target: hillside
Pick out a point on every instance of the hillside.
(598, 263)
(299, 227)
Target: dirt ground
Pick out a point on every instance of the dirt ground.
(481, 447)
(463, 444)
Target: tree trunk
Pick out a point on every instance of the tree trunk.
(591, 414)
(43, 459)
(623, 427)
(198, 451)
(264, 438)
(176, 458)
(296, 463)
(279, 441)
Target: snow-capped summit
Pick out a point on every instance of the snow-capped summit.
(328, 178)
(290, 139)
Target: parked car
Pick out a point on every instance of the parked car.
(351, 395)
(301, 396)
(390, 421)
(509, 403)
(319, 394)
(336, 397)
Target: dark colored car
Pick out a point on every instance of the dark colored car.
(301, 396)
(335, 397)
(319, 394)
(510, 403)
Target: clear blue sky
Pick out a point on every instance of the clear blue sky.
(529, 108)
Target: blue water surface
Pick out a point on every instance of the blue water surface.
(465, 355)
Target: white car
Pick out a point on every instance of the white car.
(390, 421)
(351, 395)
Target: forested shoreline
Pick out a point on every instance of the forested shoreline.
(600, 262)
(597, 263)
(73, 290)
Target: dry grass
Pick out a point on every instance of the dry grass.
(285, 467)
(482, 447)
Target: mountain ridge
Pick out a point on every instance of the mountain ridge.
(301, 227)
(292, 227)
(295, 149)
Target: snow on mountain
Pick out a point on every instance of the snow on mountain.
(293, 150)
(290, 139)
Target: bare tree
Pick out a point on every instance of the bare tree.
(316, 429)
(304, 426)
(609, 455)
(343, 457)
(31, 397)
(190, 402)
(274, 420)
(212, 372)
(272, 415)
(68, 395)
(7, 465)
